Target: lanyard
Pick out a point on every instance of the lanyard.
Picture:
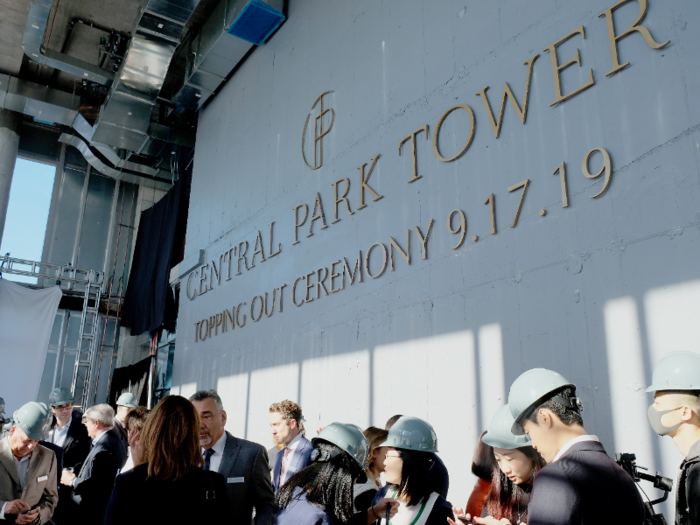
(422, 508)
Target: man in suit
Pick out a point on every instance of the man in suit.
(71, 435)
(125, 404)
(243, 463)
(93, 485)
(28, 471)
(580, 484)
(286, 423)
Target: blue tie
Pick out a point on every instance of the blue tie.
(207, 458)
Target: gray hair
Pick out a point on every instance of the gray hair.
(102, 413)
(201, 395)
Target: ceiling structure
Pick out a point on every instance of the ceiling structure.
(123, 81)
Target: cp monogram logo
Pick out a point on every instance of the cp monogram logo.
(319, 132)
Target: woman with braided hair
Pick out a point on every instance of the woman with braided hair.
(321, 493)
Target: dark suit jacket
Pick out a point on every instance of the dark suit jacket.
(95, 481)
(120, 431)
(299, 460)
(199, 497)
(584, 487)
(244, 465)
(77, 444)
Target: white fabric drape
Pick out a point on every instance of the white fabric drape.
(26, 321)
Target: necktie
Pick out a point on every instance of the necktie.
(207, 458)
(285, 463)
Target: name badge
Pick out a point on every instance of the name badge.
(235, 480)
(41, 478)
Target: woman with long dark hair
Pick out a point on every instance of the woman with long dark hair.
(515, 466)
(411, 444)
(169, 485)
(321, 493)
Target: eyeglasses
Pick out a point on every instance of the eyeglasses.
(392, 457)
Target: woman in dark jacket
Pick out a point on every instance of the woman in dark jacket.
(412, 443)
(321, 493)
(169, 485)
(515, 465)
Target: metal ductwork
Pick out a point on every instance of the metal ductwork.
(34, 30)
(227, 36)
(56, 107)
(125, 117)
(42, 103)
(96, 162)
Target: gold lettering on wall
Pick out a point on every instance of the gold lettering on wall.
(363, 183)
(298, 224)
(294, 291)
(508, 94)
(405, 254)
(341, 199)
(557, 69)
(608, 14)
(317, 215)
(384, 260)
(319, 132)
(414, 153)
(424, 240)
(436, 134)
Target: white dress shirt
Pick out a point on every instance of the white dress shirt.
(218, 448)
(571, 443)
(60, 434)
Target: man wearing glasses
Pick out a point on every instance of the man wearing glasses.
(71, 435)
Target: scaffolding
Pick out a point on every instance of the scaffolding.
(70, 279)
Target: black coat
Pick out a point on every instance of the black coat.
(120, 430)
(77, 444)
(199, 497)
(688, 493)
(584, 487)
(76, 448)
(95, 481)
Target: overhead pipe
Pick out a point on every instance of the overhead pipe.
(57, 107)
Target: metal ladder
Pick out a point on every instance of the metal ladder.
(83, 371)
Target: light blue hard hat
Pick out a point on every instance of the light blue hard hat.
(34, 419)
(127, 399)
(529, 390)
(676, 371)
(349, 438)
(500, 433)
(412, 433)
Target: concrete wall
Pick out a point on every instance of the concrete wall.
(598, 290)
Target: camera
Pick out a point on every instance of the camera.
(629, 463)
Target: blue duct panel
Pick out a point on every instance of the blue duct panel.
(256, 22)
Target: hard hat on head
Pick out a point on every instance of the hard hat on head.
(34, 419)
(676, 371)
(346, 436)
(127, 399)
(412, 433)
(531, 389)
(500, 433)
(60, 396)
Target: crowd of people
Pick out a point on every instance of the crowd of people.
(536, 463)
